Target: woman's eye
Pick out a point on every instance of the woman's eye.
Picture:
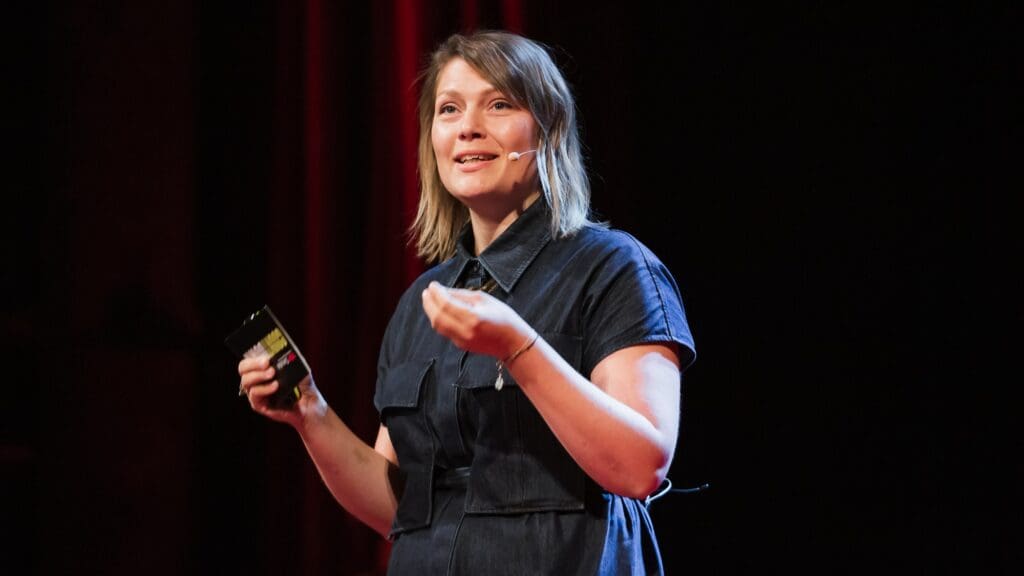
(446, 109)
(500, 105)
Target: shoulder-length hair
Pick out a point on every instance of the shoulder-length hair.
(523, 71)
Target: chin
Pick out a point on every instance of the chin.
(472, 194)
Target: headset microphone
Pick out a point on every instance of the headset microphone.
(513, 156)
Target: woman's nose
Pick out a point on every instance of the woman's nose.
(471, 126)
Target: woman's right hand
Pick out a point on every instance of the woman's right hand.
(258, 384)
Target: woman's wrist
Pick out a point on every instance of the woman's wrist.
(503, 363)
(526, 344)
(311, 414)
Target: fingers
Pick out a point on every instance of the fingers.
(253, 374)
(434, 302)
(259, 393)
(469, 297)
(254, 377)
(257, 384)
(257, 363)
(454, 301)
(449, 315)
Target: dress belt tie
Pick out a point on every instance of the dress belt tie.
(452, 477)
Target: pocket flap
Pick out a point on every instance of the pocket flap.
(479, 371)
(400, 387)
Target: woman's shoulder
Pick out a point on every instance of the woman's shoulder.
(601, 242)
(410, 306)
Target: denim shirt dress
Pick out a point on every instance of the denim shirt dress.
(484, 486)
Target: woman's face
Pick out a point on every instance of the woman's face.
(475, 128)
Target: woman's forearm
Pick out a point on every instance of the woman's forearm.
(355, 473)
(626, 450)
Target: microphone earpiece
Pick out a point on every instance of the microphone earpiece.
(513, 156)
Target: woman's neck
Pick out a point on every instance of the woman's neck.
(487, 226)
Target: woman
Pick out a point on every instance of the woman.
(529, 384)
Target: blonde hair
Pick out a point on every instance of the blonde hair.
(523, 70)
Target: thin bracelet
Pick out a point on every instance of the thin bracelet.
(500, 380)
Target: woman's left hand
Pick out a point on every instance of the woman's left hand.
(475, 321)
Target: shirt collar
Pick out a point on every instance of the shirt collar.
(511, 253)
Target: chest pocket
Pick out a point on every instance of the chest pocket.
(398, 397)
(518, 463)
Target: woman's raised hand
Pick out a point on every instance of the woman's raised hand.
(475, 321)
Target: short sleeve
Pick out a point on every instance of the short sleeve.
(384, 358)
(396, 334)
(632, 299)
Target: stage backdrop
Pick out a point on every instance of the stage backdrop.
(804, 172)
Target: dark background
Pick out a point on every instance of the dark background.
(829, 185)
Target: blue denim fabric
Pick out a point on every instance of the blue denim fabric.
(526, 506)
